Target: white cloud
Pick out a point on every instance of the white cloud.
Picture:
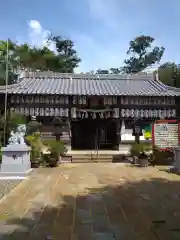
(94, 55)
(38, 36)
(35, 26)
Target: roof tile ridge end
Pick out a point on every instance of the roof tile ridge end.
(14, 85)
(168, 88)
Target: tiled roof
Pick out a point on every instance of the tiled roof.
(86, 84)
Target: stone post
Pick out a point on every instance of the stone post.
(176, 164)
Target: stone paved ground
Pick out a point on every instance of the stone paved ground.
(7, 185)
(93, 201)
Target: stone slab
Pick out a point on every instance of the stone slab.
(56, 211)
(16, 147)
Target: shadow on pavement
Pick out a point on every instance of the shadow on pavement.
(144, 210)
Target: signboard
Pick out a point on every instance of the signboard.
(166, 134)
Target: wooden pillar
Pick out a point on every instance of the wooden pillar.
(68, 145)
(118, 133)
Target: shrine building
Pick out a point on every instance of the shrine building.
(94, 107)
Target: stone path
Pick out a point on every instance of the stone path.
(93, 201)
(7, 185)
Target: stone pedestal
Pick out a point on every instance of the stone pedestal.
(176, 164)
(15, 160)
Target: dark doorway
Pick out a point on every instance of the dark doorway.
(88, 134)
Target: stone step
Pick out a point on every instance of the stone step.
(85, 156)
(91, 158)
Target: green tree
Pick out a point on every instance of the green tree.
(66, 58)
(142, 54)
(21, 56)
(169, 73)
(10, 64)
(102, 71)
(11, 122)
(115, 71)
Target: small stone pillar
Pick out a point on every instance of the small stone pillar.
(15, 160)
(176, 163)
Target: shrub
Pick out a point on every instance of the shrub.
(161, 157)
(56, 148)
(33, 127)
(137, 149)
(36, 145)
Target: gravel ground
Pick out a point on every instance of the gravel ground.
(7, 185)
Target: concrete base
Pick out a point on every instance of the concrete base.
(176, 163)
(20, 174)
(174, 170)
(15, 160)
(13, 178)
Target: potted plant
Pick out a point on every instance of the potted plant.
(35, 157)
(135, 152)
(143, 159)
(56, 149)
(138, 151)
(145, 150)
(36, 147)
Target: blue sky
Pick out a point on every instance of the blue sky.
(101, 29)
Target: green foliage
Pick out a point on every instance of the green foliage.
(13, 119)
(66, 58)
(110, 71)
(169, 73)
(102, 71)
(142, 54)
(56, 148)
(135, 149)
(12, 63)
(115, 70)
(161, 156)
(22, 56)
(33, 127)
(36, 145)
(138, 149)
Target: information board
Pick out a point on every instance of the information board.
(166, 134)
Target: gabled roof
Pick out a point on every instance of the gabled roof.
(87, 84)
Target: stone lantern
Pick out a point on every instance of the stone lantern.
(58, 124)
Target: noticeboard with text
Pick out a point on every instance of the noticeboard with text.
(166, 134)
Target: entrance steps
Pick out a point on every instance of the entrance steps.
(92, 156)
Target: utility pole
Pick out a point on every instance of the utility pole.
(6, 88)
